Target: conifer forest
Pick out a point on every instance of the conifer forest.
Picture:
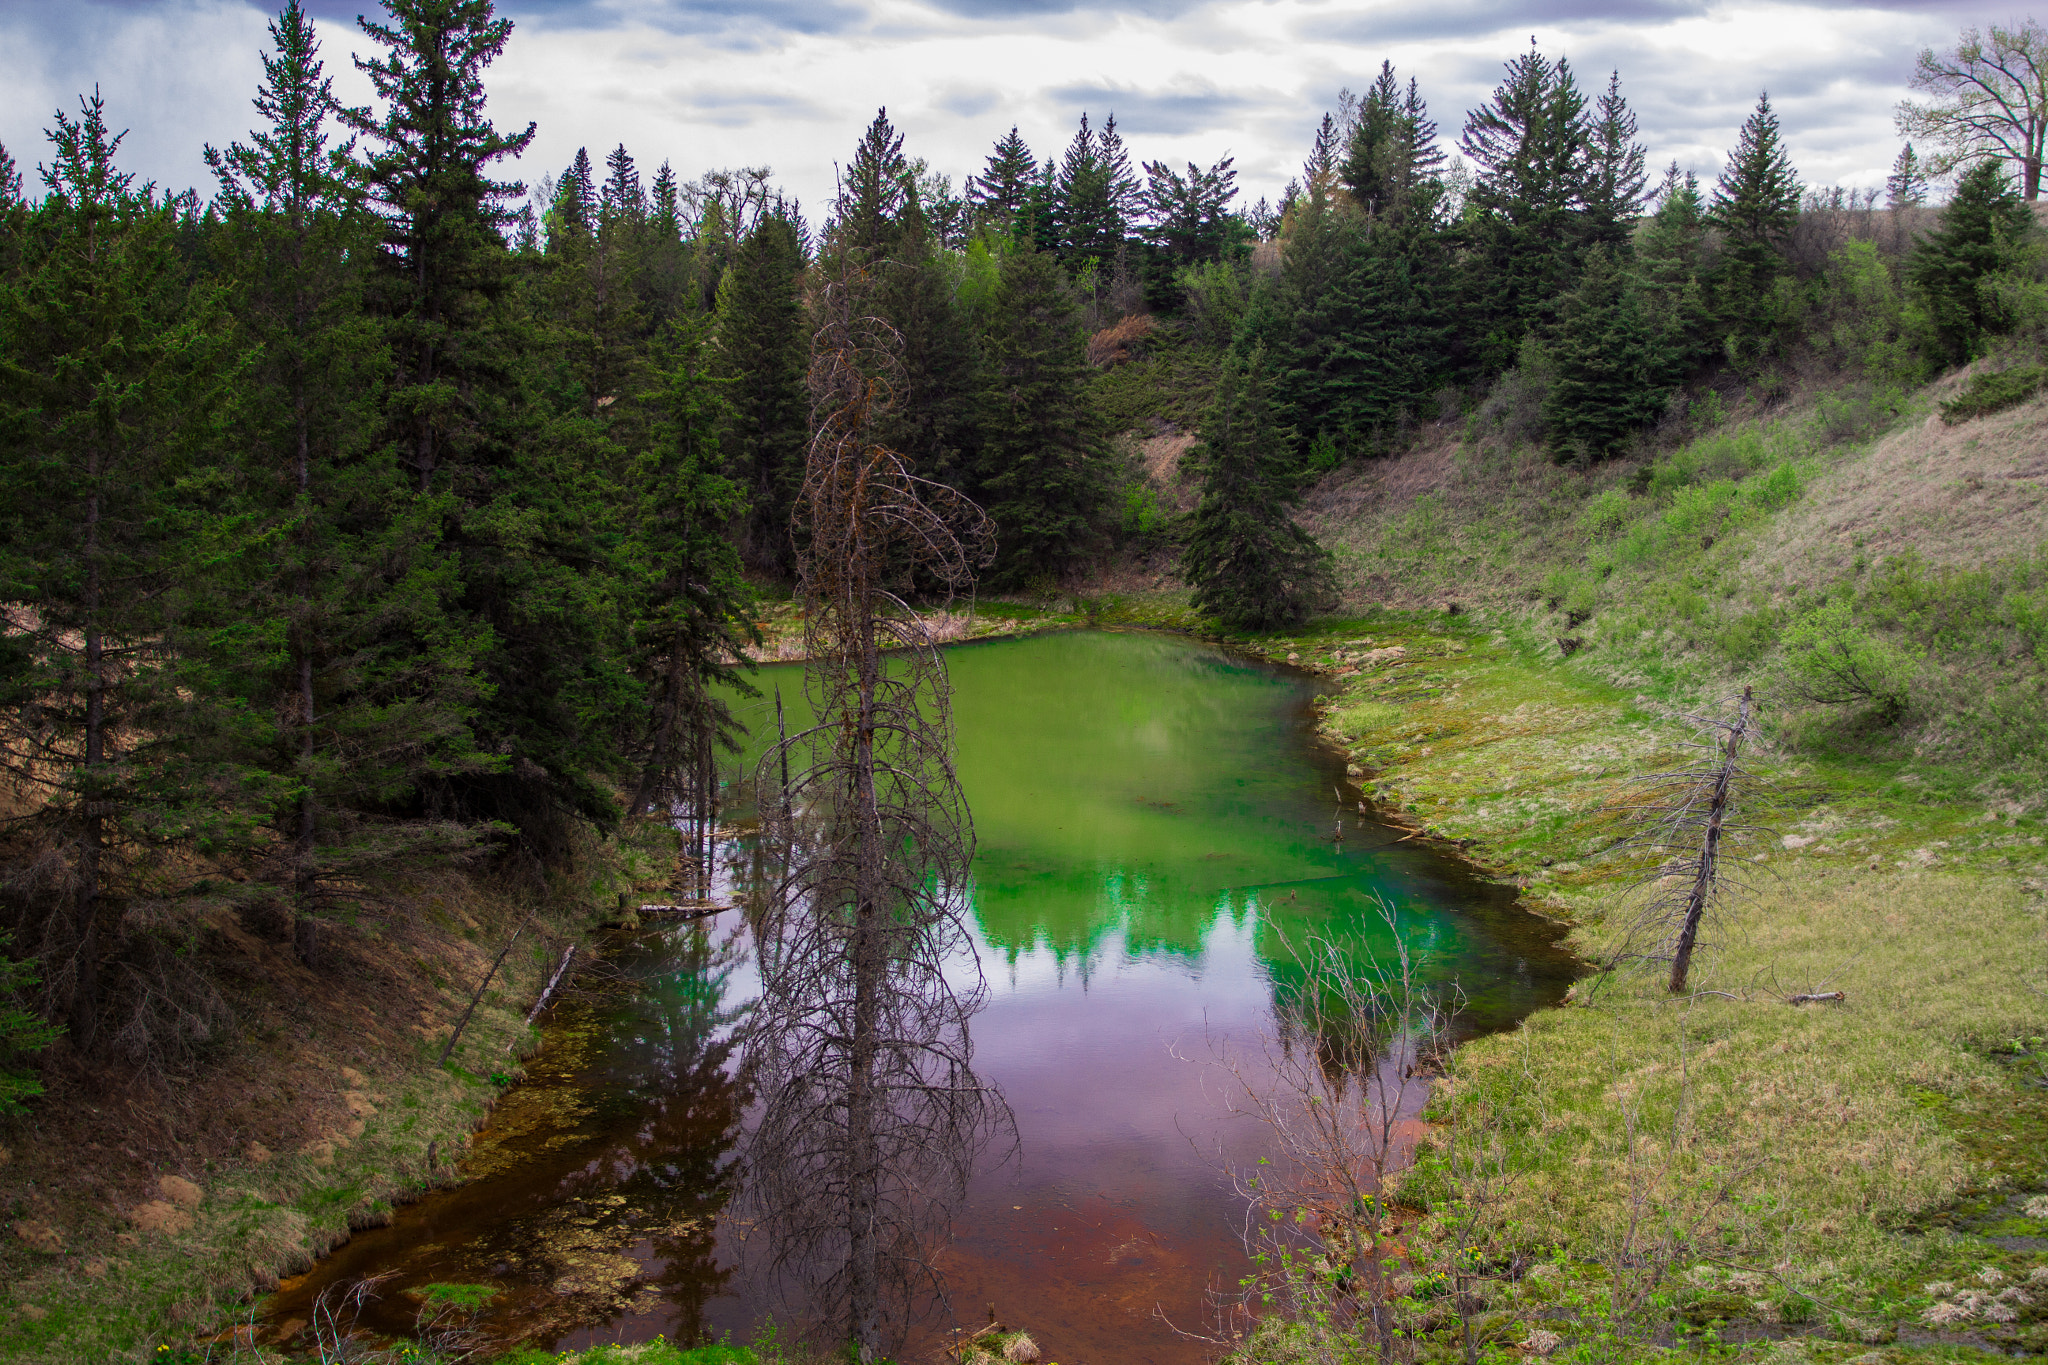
(382, 531)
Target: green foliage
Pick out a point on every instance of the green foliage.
(1044, 468)
(1983, 235)
(1756, 205)
(762, 345)
(1830, 660)
(1251, 567)
(1992, 391)
(1607, 513)
(1609, 362)
(21, 1032)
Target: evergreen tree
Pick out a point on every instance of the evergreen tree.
(1126, 190)
(762, 349)
(1671, 267)
(1045, 473)
(1756, 206)
(114, 376)
(1532, 153)
(428, 173)
(1608, 365)
(1189, 217)
(1386, 331)
(326, 550)
(692, 608)
(1617, 176)
(1000, 194)
(576, 195)
(1251, 567)
(1906, 186)
(10, 179)
(930, 419)
(1984, 230)
(873, 193)
(666, 207)
(1390, 150)
(621, 198)
(1090, 229)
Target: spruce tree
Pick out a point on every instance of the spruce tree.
(1531, 150)
(1251, 567)
(114, 381)
(1756, 206)
(1387, 325)
(762, 343)
(930, 419)
(1906, 186)
(1670, 268)
(1126, 190)
(999, 195)
(576, 195)
(692, 610)
(1044, 472)
(1390, 149)
(10, 179)
(621, 198)
(873, 193)
(1617, 175)
(1984, 229)
(1606, 355)
(326, 550)
(1090, 229)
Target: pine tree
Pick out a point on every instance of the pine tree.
(323, 526)
(1607, 365)
(872, 194)
(1756, 206)
(622, 197)
(10, 179)
(1984, 229)
(930, 419)
(1390, 149)
(1387, 328)
(1614, 187)
(114, 379)
(1044, 471)
(1532, 153)
(576, 196)
(1906, 186)
(1090, 229)
(1251, 567)
(1000, 194)
(427, 171)
(692, 607)
(1670, 268)
(761, 348)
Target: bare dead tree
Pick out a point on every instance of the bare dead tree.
(871, 1114)
(1348, 1065)
(1686, 821)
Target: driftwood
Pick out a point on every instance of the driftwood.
(553, 982)
(683, 911)
(485, 985)
(1818, 997)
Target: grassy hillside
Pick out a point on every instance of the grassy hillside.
(1865, 1178)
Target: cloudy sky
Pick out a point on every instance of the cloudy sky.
(791, 83)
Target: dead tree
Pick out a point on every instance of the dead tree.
(871, 1115)
(1688, 824)
(1357, 1038)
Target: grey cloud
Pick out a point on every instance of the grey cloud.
(1025, 9)
(744, 108)
(966, 101)
(1166, 112)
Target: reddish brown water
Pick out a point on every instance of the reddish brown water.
(1155, 824)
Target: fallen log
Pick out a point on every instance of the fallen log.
(1817, 998)
(684, 911)
(553, 982)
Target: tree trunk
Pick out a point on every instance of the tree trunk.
(1710, 853)
(85, 1001)
(869, 951)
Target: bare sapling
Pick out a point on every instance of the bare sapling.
(871, 1115)
(1338, 1087)
(1688, 822)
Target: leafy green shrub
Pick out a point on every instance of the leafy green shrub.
(1779, 488)
(1607, 513)
(1746, 638)
(1830, 660)
(1994, 392)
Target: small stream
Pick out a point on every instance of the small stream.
(1156, 824)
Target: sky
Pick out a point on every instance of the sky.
(791, 84)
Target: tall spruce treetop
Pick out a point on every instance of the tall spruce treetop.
(1532, 150)
(575, 208)
(874, 191)
(1000, 193)
(665, 206)
(10, 179)
(1906, 186)
(1756, 206)
(428, 165)
(622, 198)
(1126, 190)
(1614, 189)
(1391, 148)
(1190, 216)
(288, 168)
(1089, 225)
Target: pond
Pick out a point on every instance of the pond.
(1158, 829)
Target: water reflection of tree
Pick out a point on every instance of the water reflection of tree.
(871, 1113)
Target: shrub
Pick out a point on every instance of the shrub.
(1994, 392)
(21, 1033)
(1607, 513)
(1779, 488)
(1830, 660)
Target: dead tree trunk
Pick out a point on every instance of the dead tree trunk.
(1706, 874)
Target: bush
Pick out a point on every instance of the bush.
(1830, 660)
(21, 1033)
(1608, 513)
(1994, 392)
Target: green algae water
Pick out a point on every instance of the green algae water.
(1157, 828)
